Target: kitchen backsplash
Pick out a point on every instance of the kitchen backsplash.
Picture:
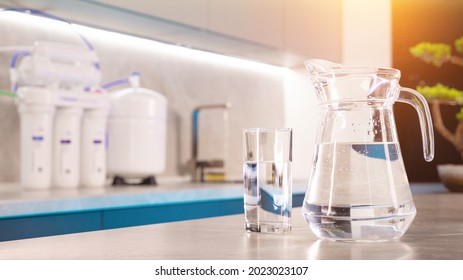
(186, 78)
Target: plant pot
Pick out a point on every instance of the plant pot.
(451, 176)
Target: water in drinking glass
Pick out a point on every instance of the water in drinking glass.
(267, 196)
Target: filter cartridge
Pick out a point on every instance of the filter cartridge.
(36, 131)
(93, 148)
(66, 147)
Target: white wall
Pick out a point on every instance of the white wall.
(301, 113)
(367, 36)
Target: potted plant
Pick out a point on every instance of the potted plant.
(437, 54)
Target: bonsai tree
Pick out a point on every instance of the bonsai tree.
(438, 54)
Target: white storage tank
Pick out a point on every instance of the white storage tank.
(137, 128)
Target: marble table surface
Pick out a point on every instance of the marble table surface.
(436, 233)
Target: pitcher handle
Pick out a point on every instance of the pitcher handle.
(414, 98)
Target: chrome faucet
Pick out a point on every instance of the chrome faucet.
(196, 166)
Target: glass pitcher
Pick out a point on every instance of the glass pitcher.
(358, 188)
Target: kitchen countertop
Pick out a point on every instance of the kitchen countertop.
(436, 233)
(17, 202)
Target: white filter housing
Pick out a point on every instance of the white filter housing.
(36, 145)
(93, 148)
(51, 132)
(137, 133)
(66, 147)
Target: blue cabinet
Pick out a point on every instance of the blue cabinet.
(212, 204)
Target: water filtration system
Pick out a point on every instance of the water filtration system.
(67, 140)
(63, 114)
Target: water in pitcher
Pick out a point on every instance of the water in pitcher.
(267, 196)
(359, 191)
